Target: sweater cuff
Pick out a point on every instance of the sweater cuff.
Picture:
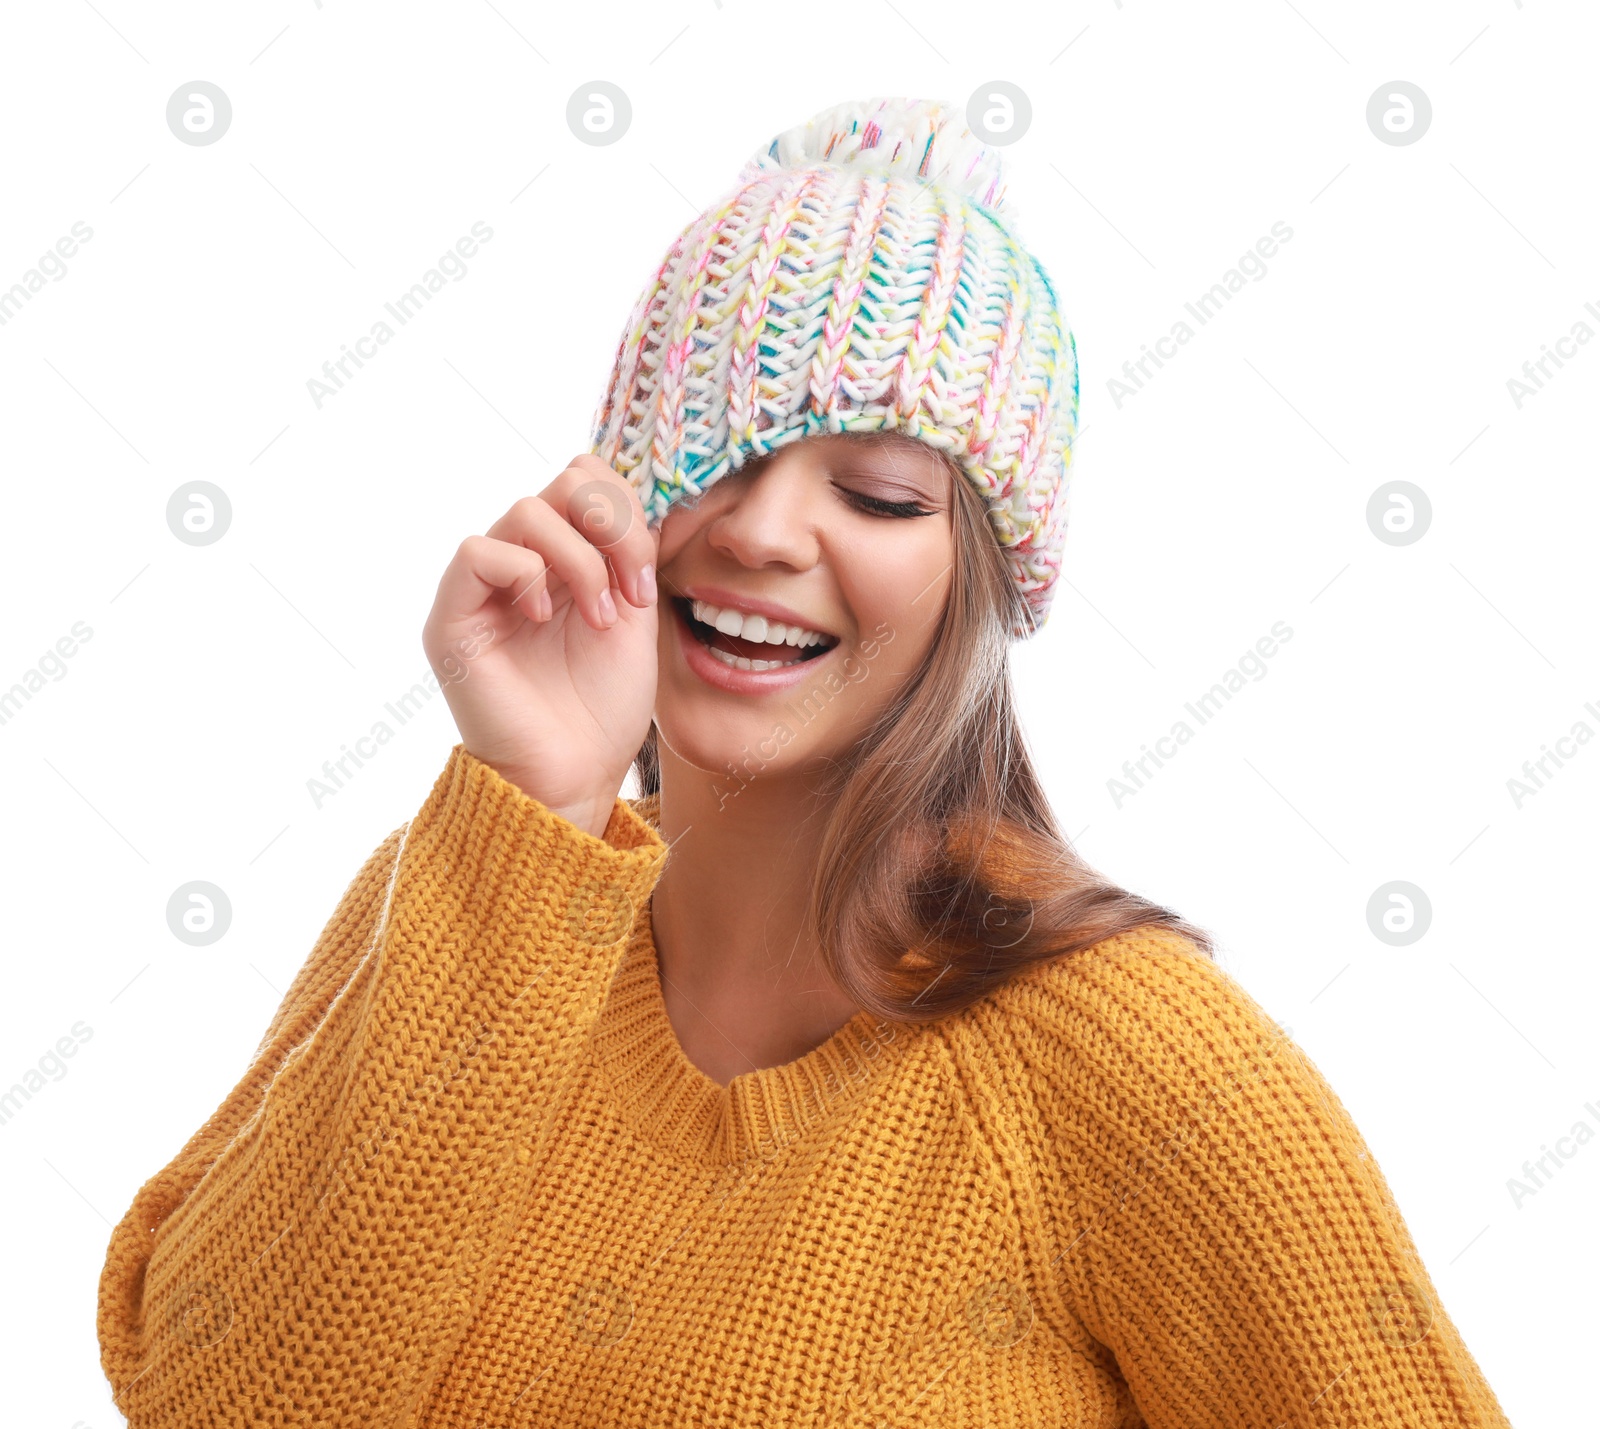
(476, 819)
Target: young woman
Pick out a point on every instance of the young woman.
(821, 1084)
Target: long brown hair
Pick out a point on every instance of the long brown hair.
(942, 872)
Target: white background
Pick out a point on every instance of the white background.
(1228, 494)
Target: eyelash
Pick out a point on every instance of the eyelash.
(878, 506)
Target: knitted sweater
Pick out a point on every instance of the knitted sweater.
(471, 1180)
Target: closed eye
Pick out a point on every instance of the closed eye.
(879, 507)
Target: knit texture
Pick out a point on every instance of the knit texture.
(862, 275)
(470, 1179)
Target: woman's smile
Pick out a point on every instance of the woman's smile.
(737, 648)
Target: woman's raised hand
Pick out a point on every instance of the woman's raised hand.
(543, 637)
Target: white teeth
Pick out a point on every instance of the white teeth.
(740, 663)
(759, 628)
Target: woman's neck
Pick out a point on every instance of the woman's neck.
(741, 971)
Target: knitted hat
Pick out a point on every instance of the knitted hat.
(859, 277)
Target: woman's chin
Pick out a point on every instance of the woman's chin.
(727, 747)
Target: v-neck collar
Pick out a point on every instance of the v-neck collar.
(671, 1103)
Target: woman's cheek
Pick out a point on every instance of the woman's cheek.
(675, 527)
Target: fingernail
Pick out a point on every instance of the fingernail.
(546, 606)
(608, 607)
(647, 584)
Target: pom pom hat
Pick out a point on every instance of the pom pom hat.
(859, 277)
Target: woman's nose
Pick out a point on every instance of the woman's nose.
(772, 516)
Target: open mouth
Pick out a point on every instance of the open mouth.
(751, 642)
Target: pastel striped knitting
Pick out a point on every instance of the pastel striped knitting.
(860, 276)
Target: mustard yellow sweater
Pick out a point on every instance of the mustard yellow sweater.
(470, 1180)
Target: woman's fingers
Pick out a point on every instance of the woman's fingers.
(606, 511)
(482, 566)
(570, 537)
(578, 565)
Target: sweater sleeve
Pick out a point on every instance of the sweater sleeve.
(1219, 1224)
(309, 1254)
